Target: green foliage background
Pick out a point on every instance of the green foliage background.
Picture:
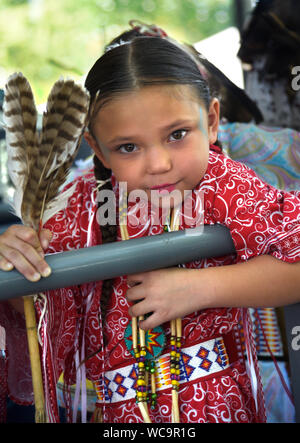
(46, 39)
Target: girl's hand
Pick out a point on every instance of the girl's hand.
(22, 248)
(164, 293)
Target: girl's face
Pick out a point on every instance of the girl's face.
(156, 139)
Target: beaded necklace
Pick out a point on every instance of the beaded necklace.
(146, 371)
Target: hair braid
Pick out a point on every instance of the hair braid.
(109, 234)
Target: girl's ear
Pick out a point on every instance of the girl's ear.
(95, 147)
(213, 120)
(91, 141)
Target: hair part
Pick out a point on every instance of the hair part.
(144, 61)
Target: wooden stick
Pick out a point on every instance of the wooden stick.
(97, 415)
(134, 332)
(173, 328)
(124, 232)
(175, 407)
(176, 331)
(142, 405)
(178, 328)
(142, 334)
(153, 383)
(34, 354)
(144, 411)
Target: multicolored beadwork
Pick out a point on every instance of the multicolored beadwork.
(155, 341)
(175, 361)
(141, 391)
(150, 343)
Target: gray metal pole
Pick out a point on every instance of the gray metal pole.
(122, 258)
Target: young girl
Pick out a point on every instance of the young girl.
(153, 125)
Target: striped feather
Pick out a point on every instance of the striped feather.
(63, 123)
(20, 118)
(39, 165)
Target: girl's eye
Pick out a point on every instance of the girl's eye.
(127, 149)
(178, 135)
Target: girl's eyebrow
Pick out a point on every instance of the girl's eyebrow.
(178, 124)
(173, 125)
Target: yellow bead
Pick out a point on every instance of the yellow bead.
(173, 353)
(173, 342)
(141, 382)
(177, 355)
(174, 382)
(143, 353)
(141, 364)
(177, 371)
(139, 394)
(173, 371)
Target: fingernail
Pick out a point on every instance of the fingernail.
(36, 276)
(8, 266)
(45, 244)
(46, 272)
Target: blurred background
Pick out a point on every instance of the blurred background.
(47, 39)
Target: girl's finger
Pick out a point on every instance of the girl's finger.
(5, 265)
(151, 322)
(135, 293)
(26, 260)
(134, 279)
(21, 264)
(45, 237)
(25, 234)
(131, 284)
(140, 308)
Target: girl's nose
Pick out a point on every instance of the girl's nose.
(158, 160)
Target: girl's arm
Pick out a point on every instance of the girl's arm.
(263, 281)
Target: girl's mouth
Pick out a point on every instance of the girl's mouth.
(166, 187)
